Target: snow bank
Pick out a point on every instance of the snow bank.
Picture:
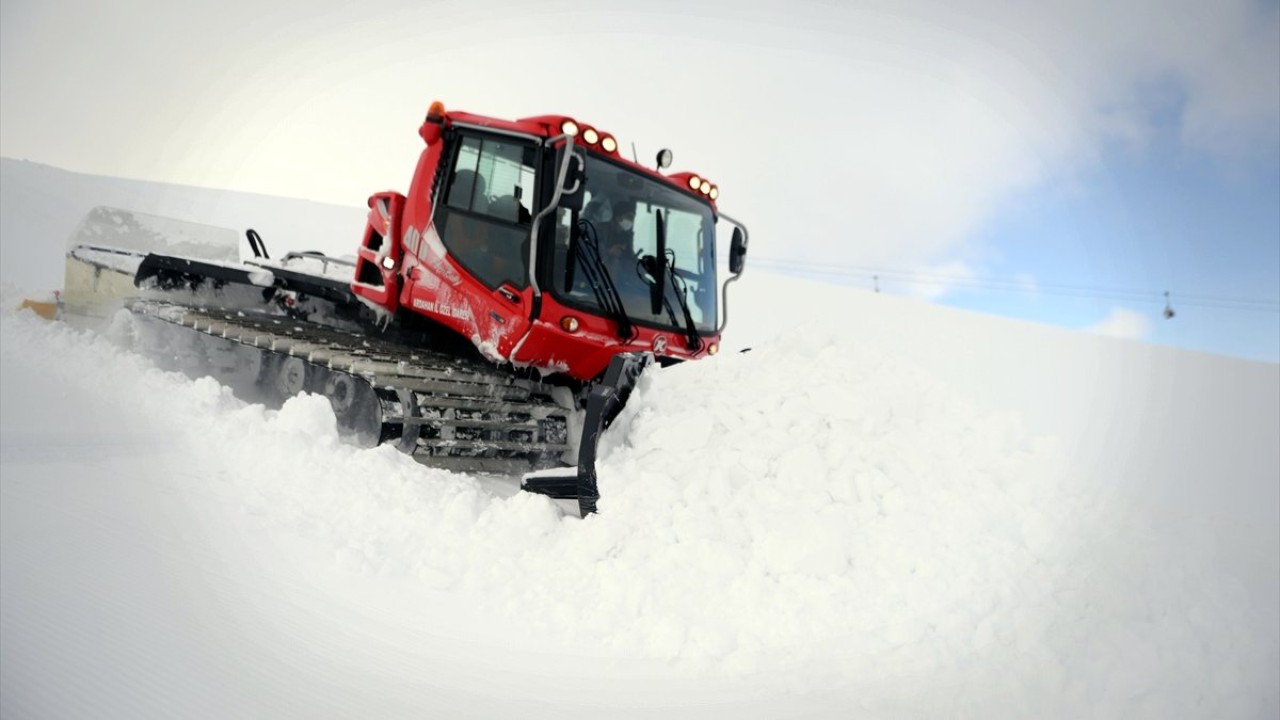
(41, 207)
(911, 512)
(818, 524)
(832, 506)
(818, 491)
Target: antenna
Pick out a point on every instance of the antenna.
(634, 155)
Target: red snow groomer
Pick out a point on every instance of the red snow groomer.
(496, 316)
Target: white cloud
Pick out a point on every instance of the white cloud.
(1123, 323)
(1027, 284)
(904, 125)
(933, 282)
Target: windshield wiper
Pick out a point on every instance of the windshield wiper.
(658, 264)
(660, 267)
(586, 250)
(680, 290)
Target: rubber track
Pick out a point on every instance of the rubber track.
(444, 410)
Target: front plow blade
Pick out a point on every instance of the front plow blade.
(47, 309)
(603, 405)
(106, 249)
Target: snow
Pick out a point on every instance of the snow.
(41, 207)
(262, 278)
(914, 512)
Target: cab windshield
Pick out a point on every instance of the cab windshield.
(620, 210)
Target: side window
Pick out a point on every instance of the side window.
(485, 221)
(467, 191)
(494, 178)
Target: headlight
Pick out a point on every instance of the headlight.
(388, 263)
(715, 192)
(569, 127)
(590, 136)
(694, 182)
(609, 144)
(569, 323)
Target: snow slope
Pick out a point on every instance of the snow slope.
(913, 512)
(40, 207)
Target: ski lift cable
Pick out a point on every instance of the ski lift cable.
(979, 283)
(985, 281)
(988, 282)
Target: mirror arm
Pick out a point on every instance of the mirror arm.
(569, 156)
(724, 289)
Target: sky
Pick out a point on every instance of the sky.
(1065, 163)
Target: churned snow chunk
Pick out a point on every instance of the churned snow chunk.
(262, 278)
(310, 416)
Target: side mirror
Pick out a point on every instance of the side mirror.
(737, 251)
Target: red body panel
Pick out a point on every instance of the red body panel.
(437, 286)
(586, 352)
(425, 279)
(382, 227)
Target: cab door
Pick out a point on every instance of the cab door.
(483, 225)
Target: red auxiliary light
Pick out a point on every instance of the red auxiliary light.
(704, 186)
(436, 111)
(696, 184)
(607, 143)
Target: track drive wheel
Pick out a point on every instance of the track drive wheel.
(289, 377)
(234, 364)
(356, 406)
(410, 411)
